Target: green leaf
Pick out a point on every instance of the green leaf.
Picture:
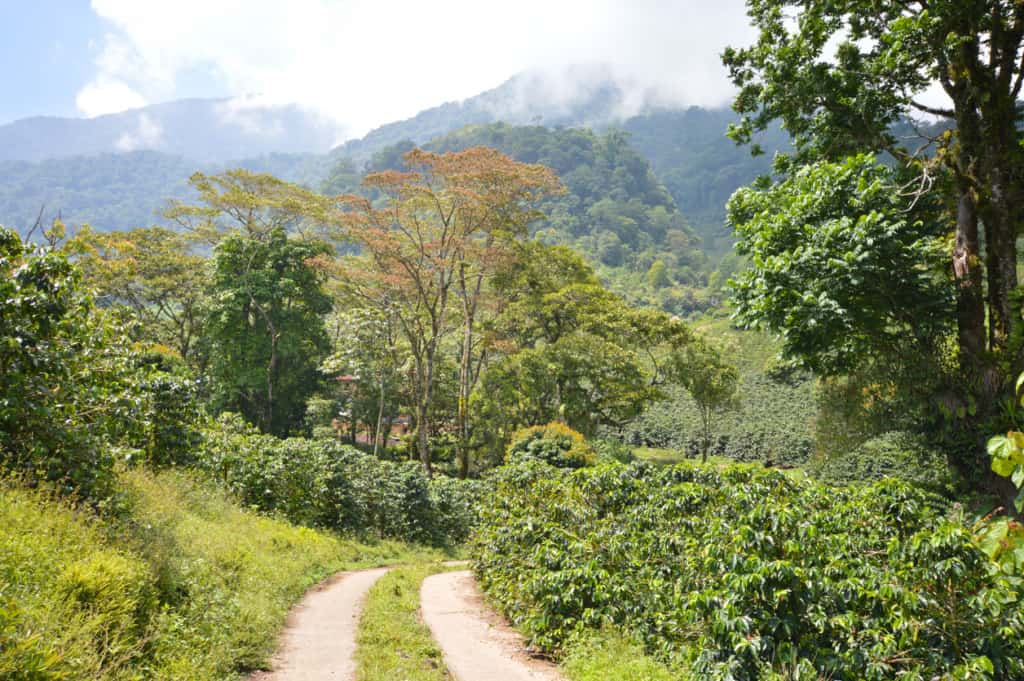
(1018, 476)
(997, 445)
(1003, 466)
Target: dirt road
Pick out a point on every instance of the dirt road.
(477, 644)
(320, 638)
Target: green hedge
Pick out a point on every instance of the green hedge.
(324, 483)
(746, 573)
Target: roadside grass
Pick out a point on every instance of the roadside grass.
(608, 656)
(393, 642)
(183, 584)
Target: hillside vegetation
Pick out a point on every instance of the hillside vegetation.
(181, 583)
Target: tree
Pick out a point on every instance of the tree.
(887, 53)
(574, 351)
(433, 237)
(152, 271)
(256, 203)
(366, 346)
(841, 266)
(711, 382)
(265, 327)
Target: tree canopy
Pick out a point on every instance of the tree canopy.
(846, 78)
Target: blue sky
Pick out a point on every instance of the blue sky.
(45, 56)
(360, 63)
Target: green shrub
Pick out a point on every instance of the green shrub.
(745, 573)
(897, 454)
(171, 415)
(324, 483)
(609, 451)
(556, 444)
(65, 379)
(24, 656)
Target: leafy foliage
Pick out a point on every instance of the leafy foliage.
(748, 574)
(710, 380)
(570, 349)
(1002, 537)
(153, 272)
(774, 421)
(265, 328)
(839, 268)
(615, 210)
(895, 454)
(66, 382)
(323, 483)
(555, 444)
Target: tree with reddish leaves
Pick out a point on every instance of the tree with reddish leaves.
(428, 243)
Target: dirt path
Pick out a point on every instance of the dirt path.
(319, 639)
(477, 644)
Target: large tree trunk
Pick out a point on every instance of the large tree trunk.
(1000, 220)
(970, 305)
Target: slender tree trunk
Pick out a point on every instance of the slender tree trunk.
(380, 417)
(465, 381)
(271, 366)
(705, 417)
(558, 401)
(424, 388)
(421, 438)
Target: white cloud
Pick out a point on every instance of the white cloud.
(107, 95)
(147, 135)
(366, 62)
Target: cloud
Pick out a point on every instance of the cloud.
(147, 135)
(362, 63)
(107, 95)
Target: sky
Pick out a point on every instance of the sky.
(360, 63)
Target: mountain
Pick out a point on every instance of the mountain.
(98, 178)
(202, 130)
(579, 96)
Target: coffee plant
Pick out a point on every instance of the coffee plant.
(324, 483)
(746, 573)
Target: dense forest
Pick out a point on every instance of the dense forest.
(688, 412)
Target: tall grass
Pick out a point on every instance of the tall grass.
(183, 584)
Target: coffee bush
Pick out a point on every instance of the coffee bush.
(746, 573)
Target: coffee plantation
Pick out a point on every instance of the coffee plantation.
(747, 573)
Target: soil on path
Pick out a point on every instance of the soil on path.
(477, 644)
(319, 639)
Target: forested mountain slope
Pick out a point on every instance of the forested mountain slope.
(699, 165)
